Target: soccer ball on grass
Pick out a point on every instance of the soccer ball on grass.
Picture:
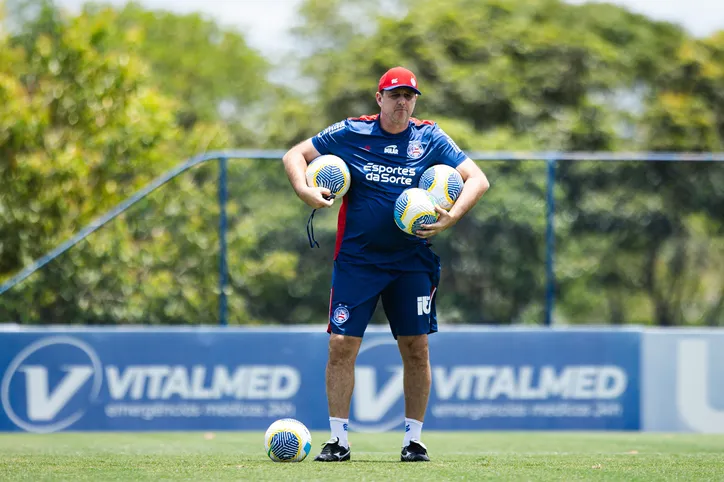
(287, 440)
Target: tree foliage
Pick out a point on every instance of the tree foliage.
(211, 71)
(94, 106)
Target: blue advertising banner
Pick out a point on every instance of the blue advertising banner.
(238, 379)
(683, 380)
(507, 379)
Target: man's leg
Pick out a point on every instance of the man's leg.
(417, 381)
(409, 304)
(340, 373)
(354, 296)
(340, 384)
(417, 377)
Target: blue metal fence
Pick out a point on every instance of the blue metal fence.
(551, 158)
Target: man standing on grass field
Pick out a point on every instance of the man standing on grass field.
(386, 154)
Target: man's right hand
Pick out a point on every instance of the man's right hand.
(317, 197)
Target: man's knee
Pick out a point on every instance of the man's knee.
(343, 349)
(413, 349)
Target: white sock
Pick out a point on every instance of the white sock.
(339, 430)
(413, 431)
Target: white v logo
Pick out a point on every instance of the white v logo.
(692, 393)
(369, 406)
(43, 405)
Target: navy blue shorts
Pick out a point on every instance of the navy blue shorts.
(408, 299)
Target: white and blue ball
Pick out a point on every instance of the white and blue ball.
(443, 182)
(413, 208)
(287, 440)
(331, 172)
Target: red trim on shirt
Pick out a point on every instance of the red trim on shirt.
(374, 117)
(419, 122)
(329, 318)
(369, 117)
(341, 223)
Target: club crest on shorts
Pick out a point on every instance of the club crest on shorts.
(415, 150)
(341, 314)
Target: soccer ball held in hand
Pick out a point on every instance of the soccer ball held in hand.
(331, 172)
(443, 182)
(413, 208)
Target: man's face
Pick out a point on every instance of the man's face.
(397, 105)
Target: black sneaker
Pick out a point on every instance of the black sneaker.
(332, 451)
(415, 452)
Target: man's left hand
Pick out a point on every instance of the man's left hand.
(443, 222)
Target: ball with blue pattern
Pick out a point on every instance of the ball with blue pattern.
(443, 182)
(413, 208)
(287, 440)
(331, 172)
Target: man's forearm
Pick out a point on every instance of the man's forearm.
(473, 190)
(295, 166)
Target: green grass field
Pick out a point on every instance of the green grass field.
(455, 456)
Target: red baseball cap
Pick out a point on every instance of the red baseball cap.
(398, 77)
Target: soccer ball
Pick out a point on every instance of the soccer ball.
(414, 207)
(287, 440)
(443, 182)
(331, 172)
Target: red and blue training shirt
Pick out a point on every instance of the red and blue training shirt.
(382, 165)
